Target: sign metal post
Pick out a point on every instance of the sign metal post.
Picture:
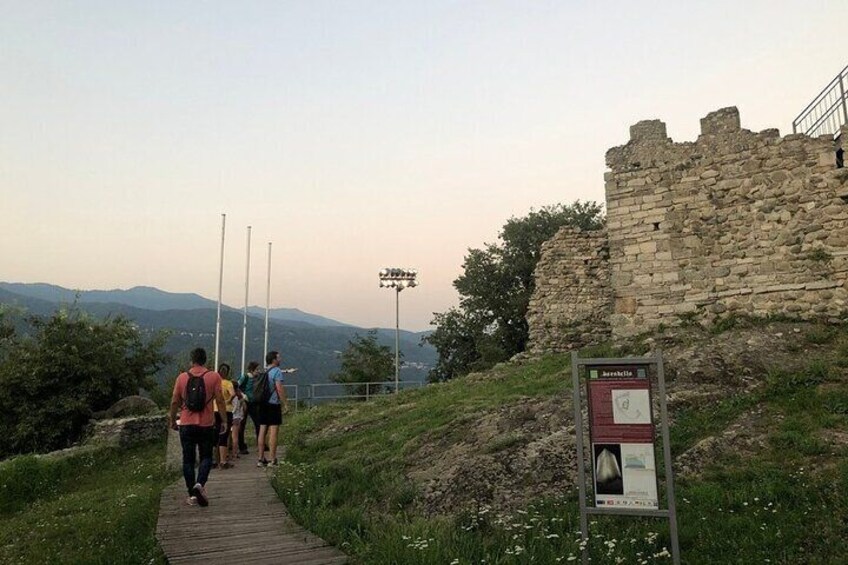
(621, 442)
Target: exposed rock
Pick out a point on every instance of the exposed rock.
(526, 449)
(521, 451)
(745, 437)
(123, 432)
(129, 406)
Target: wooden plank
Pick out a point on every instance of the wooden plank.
(245, 522)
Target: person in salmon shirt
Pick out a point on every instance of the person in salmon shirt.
(194, 392)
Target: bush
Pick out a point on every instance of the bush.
(69, 366)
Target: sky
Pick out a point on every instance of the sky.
(352, 135)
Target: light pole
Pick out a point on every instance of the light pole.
(398, 279)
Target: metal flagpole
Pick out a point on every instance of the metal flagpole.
(246, 291)
(220, 290)
(267, 303)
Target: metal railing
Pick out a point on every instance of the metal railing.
(828, 111)
(296, 398)
(365, 391)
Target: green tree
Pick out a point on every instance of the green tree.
(364, 360)
(495, 288)
(67, 367)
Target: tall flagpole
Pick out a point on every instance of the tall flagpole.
(267, 303)
(246, 289)
(220, 290)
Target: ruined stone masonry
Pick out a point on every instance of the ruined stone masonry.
(572, 303)
(736, 222)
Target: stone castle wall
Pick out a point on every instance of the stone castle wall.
(573, 299)
(736, 221)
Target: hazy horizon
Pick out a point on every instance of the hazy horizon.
(355, 136)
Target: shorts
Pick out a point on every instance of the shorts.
(221, 438)
(270, 414)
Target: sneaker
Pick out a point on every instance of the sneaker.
(200, 493)
(261, 463)
(274, 463)
(191, 501)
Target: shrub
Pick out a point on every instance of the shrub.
(69, 366)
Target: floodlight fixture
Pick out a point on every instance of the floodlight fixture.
(398, 279)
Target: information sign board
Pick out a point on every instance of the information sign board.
(621, 433)
(621, 442)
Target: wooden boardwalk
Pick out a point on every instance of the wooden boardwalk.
(245, 522)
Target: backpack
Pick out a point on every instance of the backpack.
(261, 387)
(195, 400)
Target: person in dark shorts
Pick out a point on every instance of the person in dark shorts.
(271, 412)
(196, 428)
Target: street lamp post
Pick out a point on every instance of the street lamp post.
(398, 279)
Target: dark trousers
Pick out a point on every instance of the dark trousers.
(192, 439)
(253, 412)
(242, 446)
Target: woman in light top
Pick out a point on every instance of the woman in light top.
(224, 424)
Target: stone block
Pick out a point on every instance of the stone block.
(821, 285)
(723, 121)
(625, 305)
(648, 131)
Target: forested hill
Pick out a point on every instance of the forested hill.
(150, 298)
(314, 349)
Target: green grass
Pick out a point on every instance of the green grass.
(95, 507)
(788, 503)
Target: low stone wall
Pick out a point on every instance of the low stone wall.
(124, 432)
(572, 302)
(174, 451)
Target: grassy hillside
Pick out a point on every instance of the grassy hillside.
(95, 507)
(481, 470)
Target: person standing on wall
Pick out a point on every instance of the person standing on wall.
(194, 392)
(270, 385)
(245, 383)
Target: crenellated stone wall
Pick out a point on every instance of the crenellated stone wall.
(573, 299)
(736, 221)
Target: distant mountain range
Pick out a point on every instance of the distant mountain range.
(150, 298)
(310, 342)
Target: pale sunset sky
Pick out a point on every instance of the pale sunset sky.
(353, 134)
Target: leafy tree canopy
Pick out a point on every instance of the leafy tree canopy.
(490, 323)
(67, 367)
(364, 360)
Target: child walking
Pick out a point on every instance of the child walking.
(239, 409)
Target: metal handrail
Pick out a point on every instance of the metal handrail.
(368, 393)
(823, 107)
(296, 395)
(823, 119)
